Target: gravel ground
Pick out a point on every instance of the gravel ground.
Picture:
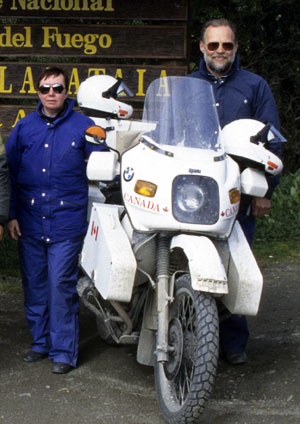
(110, 387)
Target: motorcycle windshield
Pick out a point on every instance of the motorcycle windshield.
(184, 111)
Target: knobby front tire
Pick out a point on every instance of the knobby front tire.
(182, 397)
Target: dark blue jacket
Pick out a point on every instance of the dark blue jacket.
(48, 175)
(242, 94)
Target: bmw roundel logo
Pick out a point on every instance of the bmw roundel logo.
(128, 174)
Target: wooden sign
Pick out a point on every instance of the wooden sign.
(105, 41)
(18, 80)
(144, 50)
(11, 114)
(96, 9)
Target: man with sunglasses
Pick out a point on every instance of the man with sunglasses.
(239, 94)
(46, 154)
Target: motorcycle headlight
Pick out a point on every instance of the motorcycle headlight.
(195, 199)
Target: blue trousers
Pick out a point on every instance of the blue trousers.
(49, 276)
(234, 332)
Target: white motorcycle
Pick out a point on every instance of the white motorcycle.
(160, 264)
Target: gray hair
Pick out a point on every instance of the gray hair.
(217, 23)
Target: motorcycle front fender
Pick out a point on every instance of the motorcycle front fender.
(206, 268)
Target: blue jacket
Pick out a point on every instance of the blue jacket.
(242, 94)
(47, 165)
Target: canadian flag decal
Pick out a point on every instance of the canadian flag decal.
(94, 231)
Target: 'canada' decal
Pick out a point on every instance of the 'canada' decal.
(230, 211)
(144, 203)
(128, 174)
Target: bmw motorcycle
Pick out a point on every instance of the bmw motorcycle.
(161, 263)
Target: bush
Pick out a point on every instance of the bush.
(283, 221)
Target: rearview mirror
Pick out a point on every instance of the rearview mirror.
(95, 135)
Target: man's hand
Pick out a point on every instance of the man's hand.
(14, 229)
(260, 206)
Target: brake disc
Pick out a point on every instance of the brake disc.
(172, 367)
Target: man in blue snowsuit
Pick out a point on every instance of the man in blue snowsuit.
(239, 94)
(46, 154)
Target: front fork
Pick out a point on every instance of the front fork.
(163, 298)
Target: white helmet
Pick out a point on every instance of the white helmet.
(246, 140)
(97, 97)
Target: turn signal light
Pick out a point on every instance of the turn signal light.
(234, 196)
(272, 165)
(145, 188)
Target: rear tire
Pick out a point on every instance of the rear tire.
(182, 396)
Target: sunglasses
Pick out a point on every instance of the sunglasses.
(57, 88)
(215, 45)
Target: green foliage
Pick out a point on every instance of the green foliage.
(283, 221)
(277, 250)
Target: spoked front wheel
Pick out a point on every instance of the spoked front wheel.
(185, 382)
